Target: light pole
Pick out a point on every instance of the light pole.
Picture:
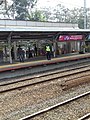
(85, 24)
(5, 4)
(82, 43)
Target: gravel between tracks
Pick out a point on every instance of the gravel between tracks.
(17, 104)
(46, 78)
(71, 111)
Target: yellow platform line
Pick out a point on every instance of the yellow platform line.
(42, 61)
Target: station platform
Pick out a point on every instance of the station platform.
(40, 61)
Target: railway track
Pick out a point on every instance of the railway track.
(85, 117)
(6, 76)
(29, 117)
(11, 80)
(65, 75)
(20, 79)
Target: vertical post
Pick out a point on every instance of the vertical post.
(9, 43)
(15, 51)
(54, 44)
(13, 10)
(54, 48)
(82, 43)
(85, 24)
(5, 4)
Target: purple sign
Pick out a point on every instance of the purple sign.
(70, 37)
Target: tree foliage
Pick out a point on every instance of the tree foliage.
(25, 10)
(36, 16)
(22, 8)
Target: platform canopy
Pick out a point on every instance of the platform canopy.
(28, 30)
(38, 33)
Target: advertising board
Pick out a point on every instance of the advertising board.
(63, 38)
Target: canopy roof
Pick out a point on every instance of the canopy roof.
(27, 33)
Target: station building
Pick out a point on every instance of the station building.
(63, 37)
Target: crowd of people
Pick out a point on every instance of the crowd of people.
(31, 52)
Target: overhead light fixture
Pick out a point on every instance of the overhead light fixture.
(16, 36)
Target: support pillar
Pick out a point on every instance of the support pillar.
(15, 51)
(55, 44)
(9, 44)
(54, 47)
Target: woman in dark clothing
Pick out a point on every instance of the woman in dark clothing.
(12, 53)
(35, 50)
(20, 52)
(29, 53)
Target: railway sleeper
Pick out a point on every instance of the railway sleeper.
(63, 85)
(74, 82)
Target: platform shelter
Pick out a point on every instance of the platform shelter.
(13, 33)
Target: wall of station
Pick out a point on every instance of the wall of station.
(15, 23)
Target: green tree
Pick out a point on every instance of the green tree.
(47, 14)
(81, 18)
(61, 14)
(36, 15)
(22, 8)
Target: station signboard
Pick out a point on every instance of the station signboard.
(63, 38)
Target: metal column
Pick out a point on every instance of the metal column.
(85, 15)
(15, 51)
(55, 44)
(9, 44)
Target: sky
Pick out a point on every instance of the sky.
(67, 3)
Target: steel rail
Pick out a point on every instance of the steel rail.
(39, 76)
(42, 81)
(85, 116)
(54, 106)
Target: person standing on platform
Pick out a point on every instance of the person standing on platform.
(35, 50)
(12, 53)
(20, 53)
(29, 53)
(48, 52)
